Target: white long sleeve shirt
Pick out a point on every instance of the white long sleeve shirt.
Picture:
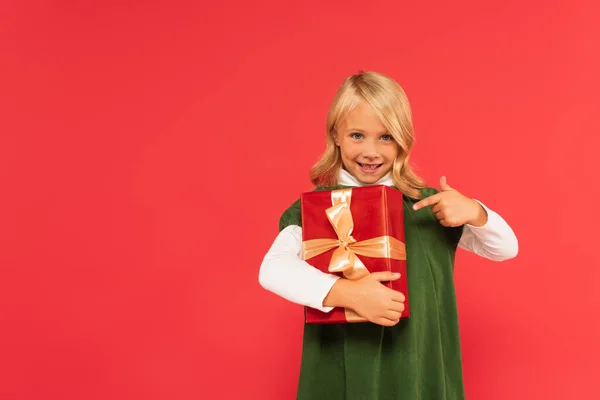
(285, 273)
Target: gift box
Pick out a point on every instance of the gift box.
(354, 232)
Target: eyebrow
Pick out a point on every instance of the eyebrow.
(362, 131)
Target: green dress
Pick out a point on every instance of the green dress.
(419, 358)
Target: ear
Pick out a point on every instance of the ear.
(334, 135)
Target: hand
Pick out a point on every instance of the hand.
(452, 208)
(369, 298)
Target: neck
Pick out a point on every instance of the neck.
(345, 178)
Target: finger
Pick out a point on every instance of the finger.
(427, 201)
(398, 296)
(386, 322)
(440, 215)
(392, 315)
(439, 211)
(451, 223)
(385, 276)
(444, 184)
(397, 306)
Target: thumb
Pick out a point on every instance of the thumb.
(444, 184)
(385, 276)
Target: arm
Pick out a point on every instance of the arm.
(284, 273)
(494, 239)
(484, 232)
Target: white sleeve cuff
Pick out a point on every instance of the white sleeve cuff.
(494, 240)
(492, 220)
(321, 290)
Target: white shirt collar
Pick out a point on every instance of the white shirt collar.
(345, 178)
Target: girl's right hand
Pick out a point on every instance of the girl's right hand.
(369, 298)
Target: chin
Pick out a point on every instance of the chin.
(368, 178)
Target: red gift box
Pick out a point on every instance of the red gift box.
(351, 233)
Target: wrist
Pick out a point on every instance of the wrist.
(340, 294)
(480, 215)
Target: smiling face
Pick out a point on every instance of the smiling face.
(368, 151)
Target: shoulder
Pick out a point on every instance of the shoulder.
(425, 192)
(428, 191)
(291, 216)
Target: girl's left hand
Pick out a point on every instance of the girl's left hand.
(452, 208)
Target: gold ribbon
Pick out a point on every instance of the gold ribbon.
(344, 259)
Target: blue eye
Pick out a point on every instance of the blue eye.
(387, 137)
(356, 135)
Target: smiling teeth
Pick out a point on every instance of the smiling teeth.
(369, 166)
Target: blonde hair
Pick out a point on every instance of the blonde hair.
(388, 101)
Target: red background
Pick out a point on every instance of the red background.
(147, 150)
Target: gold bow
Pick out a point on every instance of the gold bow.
(344, 258)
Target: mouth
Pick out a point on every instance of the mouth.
(369, 168)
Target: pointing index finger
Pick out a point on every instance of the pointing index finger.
(427, 201)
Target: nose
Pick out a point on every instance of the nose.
(369, 150)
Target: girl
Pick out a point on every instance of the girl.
(369, 139)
